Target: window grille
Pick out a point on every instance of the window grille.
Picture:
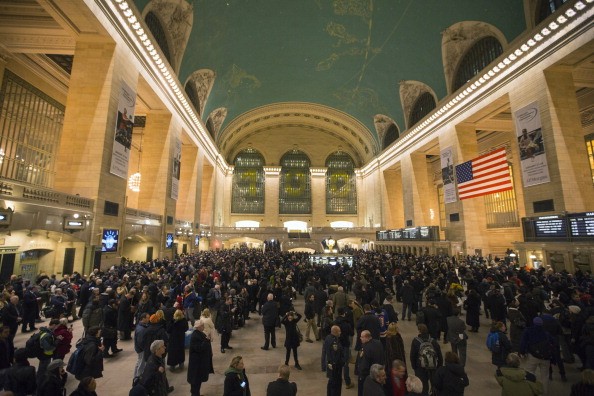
(590, 148)
(156, 28)
(247, 194)
(442, 208)
(423, 105)
(190, 89)
(295, 184)
(390, 136)
(31, 125)
(546, 8)
(483, 52)
(501, 208)
(341, 184)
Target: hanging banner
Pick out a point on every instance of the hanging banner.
(533, 158)
(176, 169)
(447, 175)
(120, 155)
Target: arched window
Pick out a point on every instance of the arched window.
(154, 25)
(295, 184)
(546, 8)
(247, 194)
(476, 59)
(390, 136)
(341, 187)
(190, 89)
(423, 105)
(210, 127)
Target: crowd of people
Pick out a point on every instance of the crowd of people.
(540, 321)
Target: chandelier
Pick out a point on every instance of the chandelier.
(134, 182)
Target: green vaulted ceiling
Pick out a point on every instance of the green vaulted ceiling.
(346, 54)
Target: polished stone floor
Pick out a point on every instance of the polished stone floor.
(261, 366)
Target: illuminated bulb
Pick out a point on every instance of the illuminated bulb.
(545, 31)
(531, 43)
(512, 57)
(580, 6)
(134, 182)
(132, 19)
(570, 13)
(525, 47)
(140, 31)
(561, 19)
(128, 13)
(124, 6)
(518, 52)
(553, 25)
(538, 37)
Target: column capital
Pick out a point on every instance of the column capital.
(318, 172)
(272, 170)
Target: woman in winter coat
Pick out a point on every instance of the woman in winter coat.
(200, 361)
(499, 354)
(450, 379)
(209, 327)
(394, 351)
(177, 333)
(517, 324)
(154, 378)
(236, 380)
(472, 305)
(63, 337)
(292, 342)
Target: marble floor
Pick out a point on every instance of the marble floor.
(261, 366)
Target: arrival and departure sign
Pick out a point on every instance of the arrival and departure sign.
(430, 233)
(581, 225)
(550, 227)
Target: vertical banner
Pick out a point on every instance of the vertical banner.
(447, 175)
(533, 158)
(120, 155)
(176, 169)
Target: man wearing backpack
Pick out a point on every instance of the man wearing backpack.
(47, 346)
(425, 356)
(537, 347)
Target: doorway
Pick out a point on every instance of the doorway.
(7, 266)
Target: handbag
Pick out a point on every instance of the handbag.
(299, 335)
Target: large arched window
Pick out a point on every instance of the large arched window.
(295, 184)
(247, 195)
(190, 89)
(390, 136)
(156, 28)
(423, 105)
(546, 8)
(483, 52)
(341, 186)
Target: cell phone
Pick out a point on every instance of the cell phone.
(242, 384)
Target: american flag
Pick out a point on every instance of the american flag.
(483, 175)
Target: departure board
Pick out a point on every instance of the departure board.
(550, 227)
(429, 233)
(581, 225)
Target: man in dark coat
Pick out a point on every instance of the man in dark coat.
(109, 332)
(269, 318)
(368, 322)
(282, 386)
(200, 362)
(372, 352)
(154, 377)
(333, 361)
(20, 378)
(92, 354)
(125, 318)
(30, 309)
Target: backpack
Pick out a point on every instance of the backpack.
(541, 349)
(427, 354)
(493, 342)
(76, 361)
(33, 345)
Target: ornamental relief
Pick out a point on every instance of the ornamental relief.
(409, 93)
(203, 80)
(382, 123)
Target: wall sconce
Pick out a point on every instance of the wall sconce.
(532, 256)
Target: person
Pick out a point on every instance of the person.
(48, 345)
(200, 359)
(310, 315)
(346, 334)
(5, 348)
(472, 305)
(339, 300)
(371, 352)
(155, 331)
(394, 346)
(269, 318)
(86, 387)
(333, 361)
(515, 381)
(125, 316)
(54, 380)
(457, 336)
(586, 386)
(154, 378)
(414, 386)
(109, 330)
(20, 377)
(209, 327)
(92, 354)
(290, 321)
(537, 347)
(420, 359)
(190, 302)
(236, 381)
(368, 321)
(517, 324)
(527, 145)
(374, 383)
(30, 309)
(396, 385)
(63, 337)
(451, 379)
(177, 332)
(138, 343)
(408, 296)
(224, 323)
(501, 347)
(282, 386)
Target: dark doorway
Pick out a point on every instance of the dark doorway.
(185, 248)
(7, 266)
(68, 261)
(149, 253)
(97, 259)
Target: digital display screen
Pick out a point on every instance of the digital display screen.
(429, 233)
(581, 225)
(169, 241)
(550, 227)
(196, 240)
(109, 240)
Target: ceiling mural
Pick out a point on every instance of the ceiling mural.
(348, 55)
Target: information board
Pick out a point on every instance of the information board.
(550, 227)
(426, 233)
(581, 225)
